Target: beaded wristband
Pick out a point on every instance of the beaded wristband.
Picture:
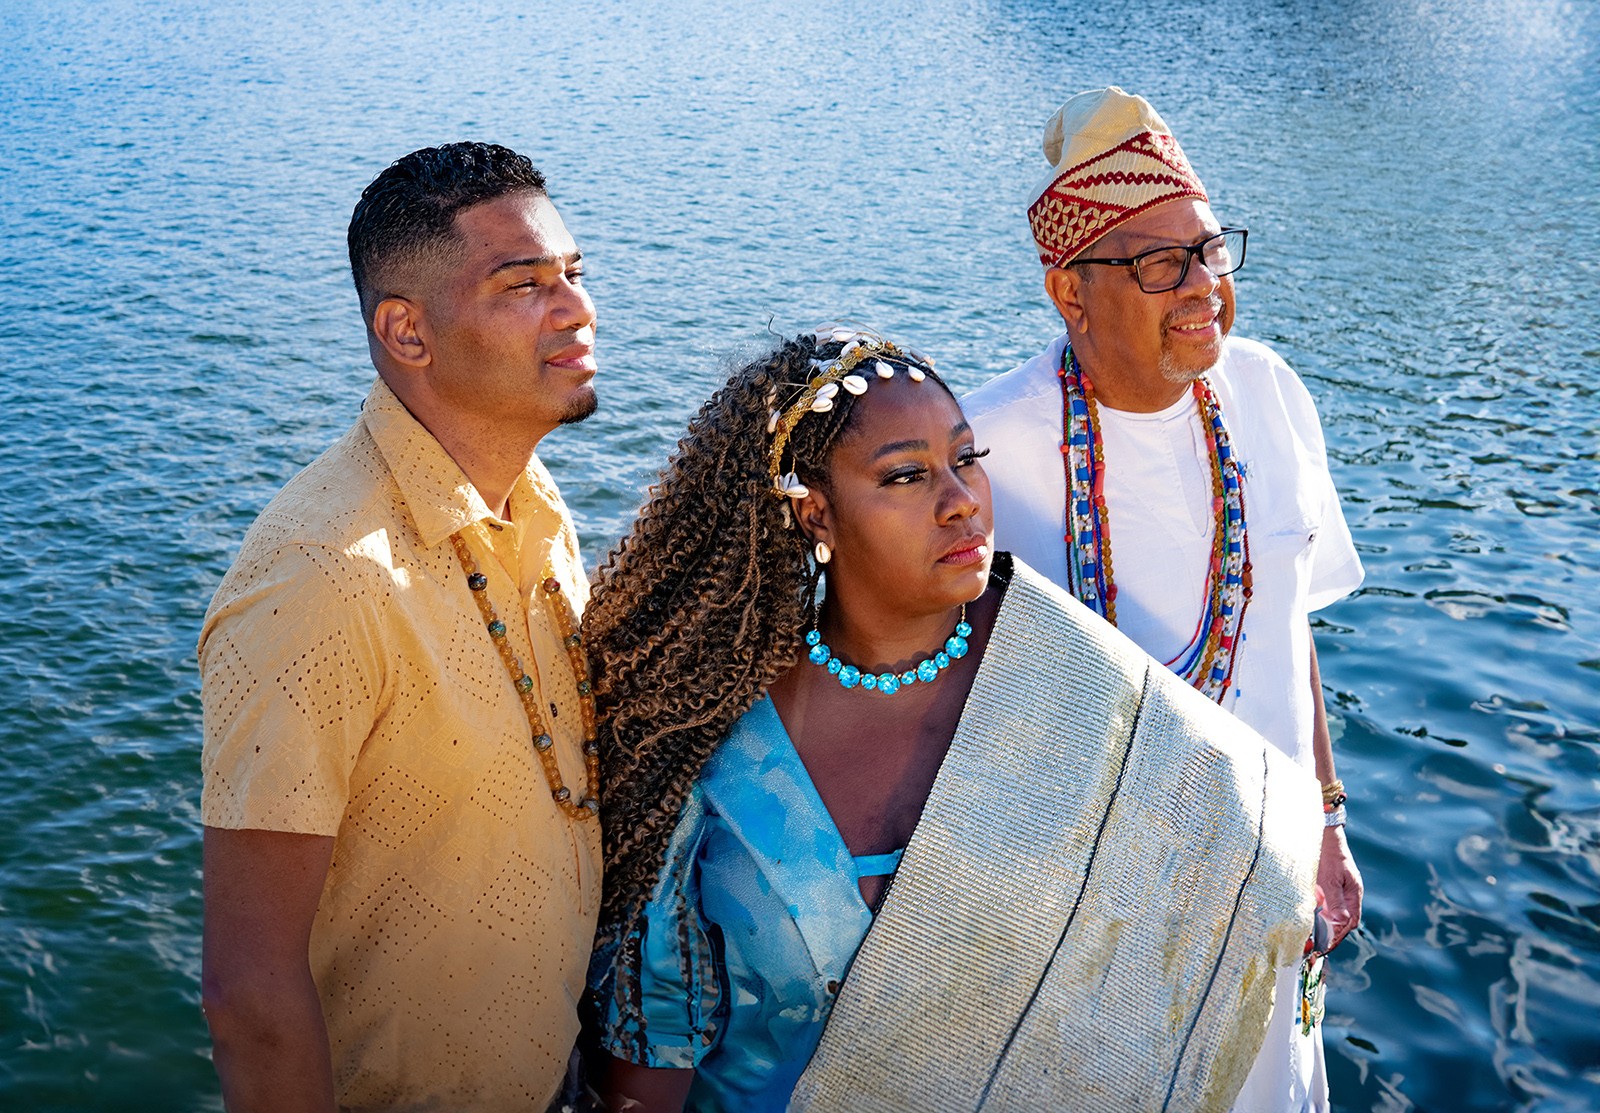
(1333, 817)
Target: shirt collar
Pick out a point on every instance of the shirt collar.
(440, 497)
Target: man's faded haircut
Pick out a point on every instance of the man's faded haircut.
(409, 210)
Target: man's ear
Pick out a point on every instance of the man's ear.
(1064, 285)
(814, 515)
(401, 332)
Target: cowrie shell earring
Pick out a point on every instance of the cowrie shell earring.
(822, 552)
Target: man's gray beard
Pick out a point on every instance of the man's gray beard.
(1169, 370)
(1178, 376)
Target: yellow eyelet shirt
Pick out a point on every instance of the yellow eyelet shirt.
(350, 689)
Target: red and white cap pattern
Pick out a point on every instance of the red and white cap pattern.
(1113, 157)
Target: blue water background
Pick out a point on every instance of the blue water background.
(1420, 180)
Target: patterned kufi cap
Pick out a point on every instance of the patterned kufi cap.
(1112, 158)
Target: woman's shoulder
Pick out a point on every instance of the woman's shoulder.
(1033, 604)
(753, 741)
(1051, 666)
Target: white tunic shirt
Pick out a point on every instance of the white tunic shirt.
(1158, 499)
(1158, 502)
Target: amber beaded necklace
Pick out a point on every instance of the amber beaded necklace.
(1207, 661)
(543, 745)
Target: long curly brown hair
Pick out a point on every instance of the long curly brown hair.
(700, 609)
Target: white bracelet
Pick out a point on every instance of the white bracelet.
(1334, 818)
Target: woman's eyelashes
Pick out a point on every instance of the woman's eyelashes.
(912, 473)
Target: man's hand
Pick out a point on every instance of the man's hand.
(269, 1041)
(1336, 869)
(1341, 884)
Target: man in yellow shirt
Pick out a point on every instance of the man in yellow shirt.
(402, 851)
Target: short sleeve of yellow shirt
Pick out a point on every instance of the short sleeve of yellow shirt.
(292, 692)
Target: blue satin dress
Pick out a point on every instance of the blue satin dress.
(753, 924)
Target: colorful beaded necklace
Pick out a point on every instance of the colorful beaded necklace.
(848, 676)
(589, 806)
(1207, 661)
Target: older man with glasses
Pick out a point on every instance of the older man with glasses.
(1197, 459)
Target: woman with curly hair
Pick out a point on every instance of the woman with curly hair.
(1066, 826)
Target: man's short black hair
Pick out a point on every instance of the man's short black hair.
(410, 208)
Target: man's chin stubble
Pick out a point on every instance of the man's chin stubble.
(581, 408)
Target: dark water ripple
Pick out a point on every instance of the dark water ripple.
(1419, 179)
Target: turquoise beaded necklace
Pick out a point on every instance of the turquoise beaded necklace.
(849, 676)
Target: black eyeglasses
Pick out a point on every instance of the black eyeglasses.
(1164, 268)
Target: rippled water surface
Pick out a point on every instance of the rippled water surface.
(1420, 180)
